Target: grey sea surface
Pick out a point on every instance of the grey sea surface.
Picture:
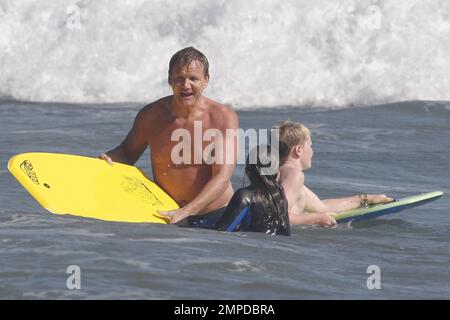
(400, 149)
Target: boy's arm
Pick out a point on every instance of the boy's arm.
(314, 204)
(324, 219)
(353, 202)
(292, 183)
(297, 196)
(343, 204)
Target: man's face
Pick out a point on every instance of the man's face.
(306, 154)
(188, 83)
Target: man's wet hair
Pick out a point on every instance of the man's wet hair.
(184, 57)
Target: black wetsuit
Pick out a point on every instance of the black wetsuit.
(240, 215)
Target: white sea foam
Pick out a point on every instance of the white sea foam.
(262, 53)
(245, 265)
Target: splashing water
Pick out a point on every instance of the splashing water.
(262, 53)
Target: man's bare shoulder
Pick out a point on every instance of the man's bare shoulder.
(155, 109)
(222, 114)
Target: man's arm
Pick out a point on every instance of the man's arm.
(129, 151)
(211, 191)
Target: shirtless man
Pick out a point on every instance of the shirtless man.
(200, 189)
(304, 206)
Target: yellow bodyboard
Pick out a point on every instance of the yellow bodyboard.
(90, 187)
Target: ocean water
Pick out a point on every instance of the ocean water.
(369, 78)
(399, 149)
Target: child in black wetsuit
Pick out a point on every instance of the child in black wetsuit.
(262, 206)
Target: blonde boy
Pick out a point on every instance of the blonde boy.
(304, 206)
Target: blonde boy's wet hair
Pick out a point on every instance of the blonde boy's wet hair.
(291, 134)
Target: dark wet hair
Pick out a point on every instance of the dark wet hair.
(270, 201)
(184, 57)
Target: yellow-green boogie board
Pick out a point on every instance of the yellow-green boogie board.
(387, 208)
(90, 187)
